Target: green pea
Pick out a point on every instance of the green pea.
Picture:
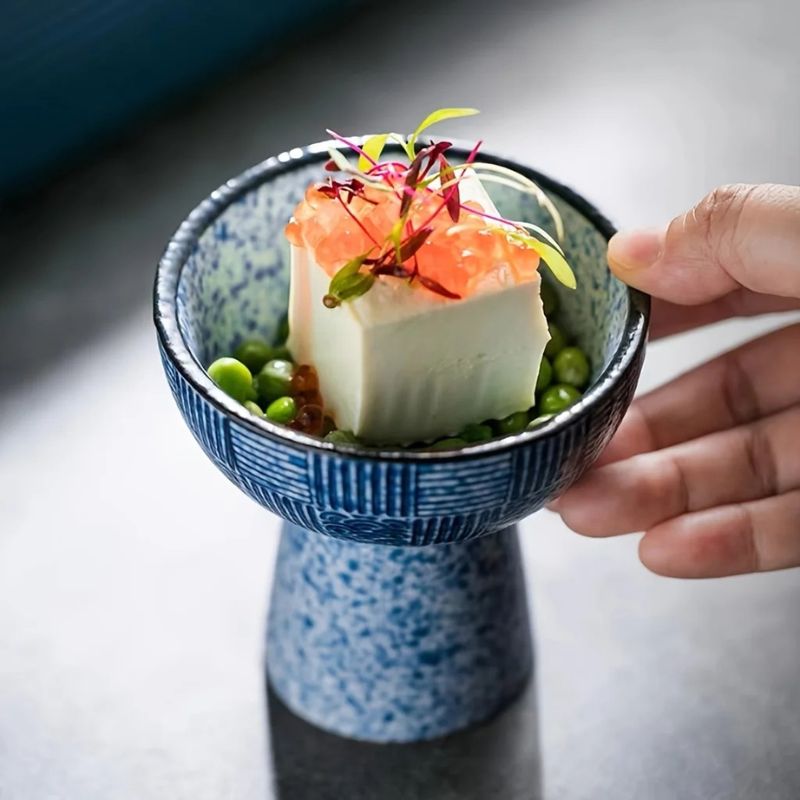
(558, 341)
(254, 353)
(282, 410)
(283, 330)
(571, 366)
(253, 408)
(545, 377)
(341, 437)
(281, 351)
(540, 420)
(557, 398)
(513, 423)
(233, 378)
(550, 300)
(476, 433)
(450, 443)
(274, 380)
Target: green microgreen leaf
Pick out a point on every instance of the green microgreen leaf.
(349, 269)
(395, 237)
(355, 285)
(343, 165)
(398, 139)
(527, 185)
(440, 115)
(556, 262)
(339, 158)
(373, 147)
(539, 231)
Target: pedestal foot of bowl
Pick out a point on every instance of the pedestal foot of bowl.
(397, 644)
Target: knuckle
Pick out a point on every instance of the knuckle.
(681, 494)
(749, 537)
(761, 459)
(723, 200)
(718, 218)
(738, 392)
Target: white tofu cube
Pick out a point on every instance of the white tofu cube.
(401, 364)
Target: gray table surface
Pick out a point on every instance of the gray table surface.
(134, 579)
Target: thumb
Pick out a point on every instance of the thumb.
(737, 236)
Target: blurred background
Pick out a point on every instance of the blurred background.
(134, 580)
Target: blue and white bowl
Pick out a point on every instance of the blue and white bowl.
(224, 276)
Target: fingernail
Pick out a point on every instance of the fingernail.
(635, 250)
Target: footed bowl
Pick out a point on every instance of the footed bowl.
(398, 609)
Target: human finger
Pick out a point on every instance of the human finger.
(667, 319)
(745, 463)
(737, 236)
(755, 536)
(754, 380)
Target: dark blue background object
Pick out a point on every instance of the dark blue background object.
(72, 73)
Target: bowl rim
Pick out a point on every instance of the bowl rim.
(185, 238)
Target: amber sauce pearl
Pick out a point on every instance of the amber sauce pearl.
(309, 419)
(304, 380)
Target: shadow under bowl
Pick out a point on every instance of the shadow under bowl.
(369, 637)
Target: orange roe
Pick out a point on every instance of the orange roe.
(457, 255)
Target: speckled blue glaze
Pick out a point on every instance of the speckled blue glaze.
(224, 276)
(397, 643)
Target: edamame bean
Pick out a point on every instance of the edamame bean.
(341, 437)
(253, 408)
(233, 378)
(450, 443)
(476, 433)
(254, 353)
(557, 398)
(540, 420)
(545, 377)
(558, 341)
(274, 380)
(282, 410)
(281, 351)
(513, 423)
(571, 366)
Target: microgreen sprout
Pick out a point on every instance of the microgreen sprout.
(428, 172)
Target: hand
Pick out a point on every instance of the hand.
(709, 464)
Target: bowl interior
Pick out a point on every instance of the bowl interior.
(235, 282)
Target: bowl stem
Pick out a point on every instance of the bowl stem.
(397, 644)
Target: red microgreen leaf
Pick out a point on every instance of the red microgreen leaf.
(352, 145)
(451, 194)
(356, 219)
(410, 182)
(413, 243)
(435, 286)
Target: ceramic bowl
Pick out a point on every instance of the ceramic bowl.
(341, 663)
